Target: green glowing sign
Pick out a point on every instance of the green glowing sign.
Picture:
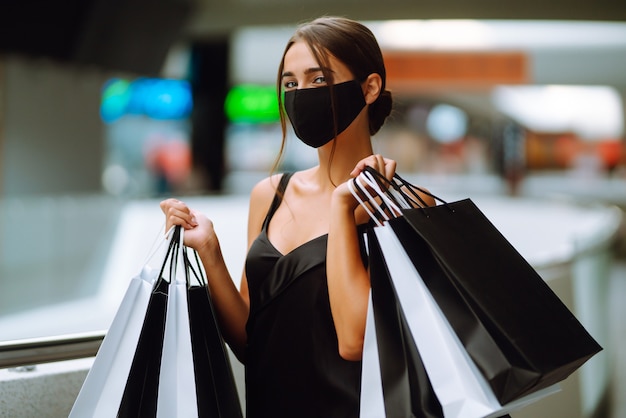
(247, 103)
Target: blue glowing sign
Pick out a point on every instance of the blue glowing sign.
(152, 97)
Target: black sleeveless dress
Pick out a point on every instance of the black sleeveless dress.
(293, 368)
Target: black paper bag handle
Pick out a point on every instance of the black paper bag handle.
(404, 188)
(385, 183)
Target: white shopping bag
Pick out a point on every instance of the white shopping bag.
(372, 401)
(102, 390)
(177, 385)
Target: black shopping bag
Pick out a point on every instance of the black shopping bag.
(140, 393)
(215, 387)
(406, 388)
(141, 390)
(515, 328)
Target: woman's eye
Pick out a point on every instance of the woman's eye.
(319, 80)
(290, 84)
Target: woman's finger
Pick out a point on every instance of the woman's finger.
(389, 168)
(177, 213)
(375, 161)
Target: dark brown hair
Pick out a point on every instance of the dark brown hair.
(356, 47)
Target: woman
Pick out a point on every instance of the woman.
(298, 319)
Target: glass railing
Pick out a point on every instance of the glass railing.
(66, 263)
(53, 250)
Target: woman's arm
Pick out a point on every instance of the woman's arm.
(348, 279)
(232, 306)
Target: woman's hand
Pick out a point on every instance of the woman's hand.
(385, 166)
(177, 213)
(199, 232)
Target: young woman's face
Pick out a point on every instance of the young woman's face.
(302, 71)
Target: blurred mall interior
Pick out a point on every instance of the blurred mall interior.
(106, 107)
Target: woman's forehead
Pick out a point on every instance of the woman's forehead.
(299, 57)
(300, 54)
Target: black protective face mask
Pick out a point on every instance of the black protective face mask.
(311, 114)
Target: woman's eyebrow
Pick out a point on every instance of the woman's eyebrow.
(307, 71)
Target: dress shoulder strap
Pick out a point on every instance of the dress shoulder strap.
(278, 197)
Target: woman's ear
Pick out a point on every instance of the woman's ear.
(371, 87)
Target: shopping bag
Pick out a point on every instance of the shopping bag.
(141, 389)
(394, 382)
(459, 386)
(216, 391)
(102, 390)
(372, 401)
(170, 374)
(535, 337)
(176, 395)
(517, 331)
(194, 376)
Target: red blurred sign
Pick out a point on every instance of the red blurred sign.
(410, 68)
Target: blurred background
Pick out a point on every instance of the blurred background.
(108, 106)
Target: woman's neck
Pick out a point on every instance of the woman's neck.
(348, 152)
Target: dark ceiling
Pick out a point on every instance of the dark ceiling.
(213, 16)
(135, 35)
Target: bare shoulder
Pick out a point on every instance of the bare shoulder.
(263, 192)
(261, 198)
